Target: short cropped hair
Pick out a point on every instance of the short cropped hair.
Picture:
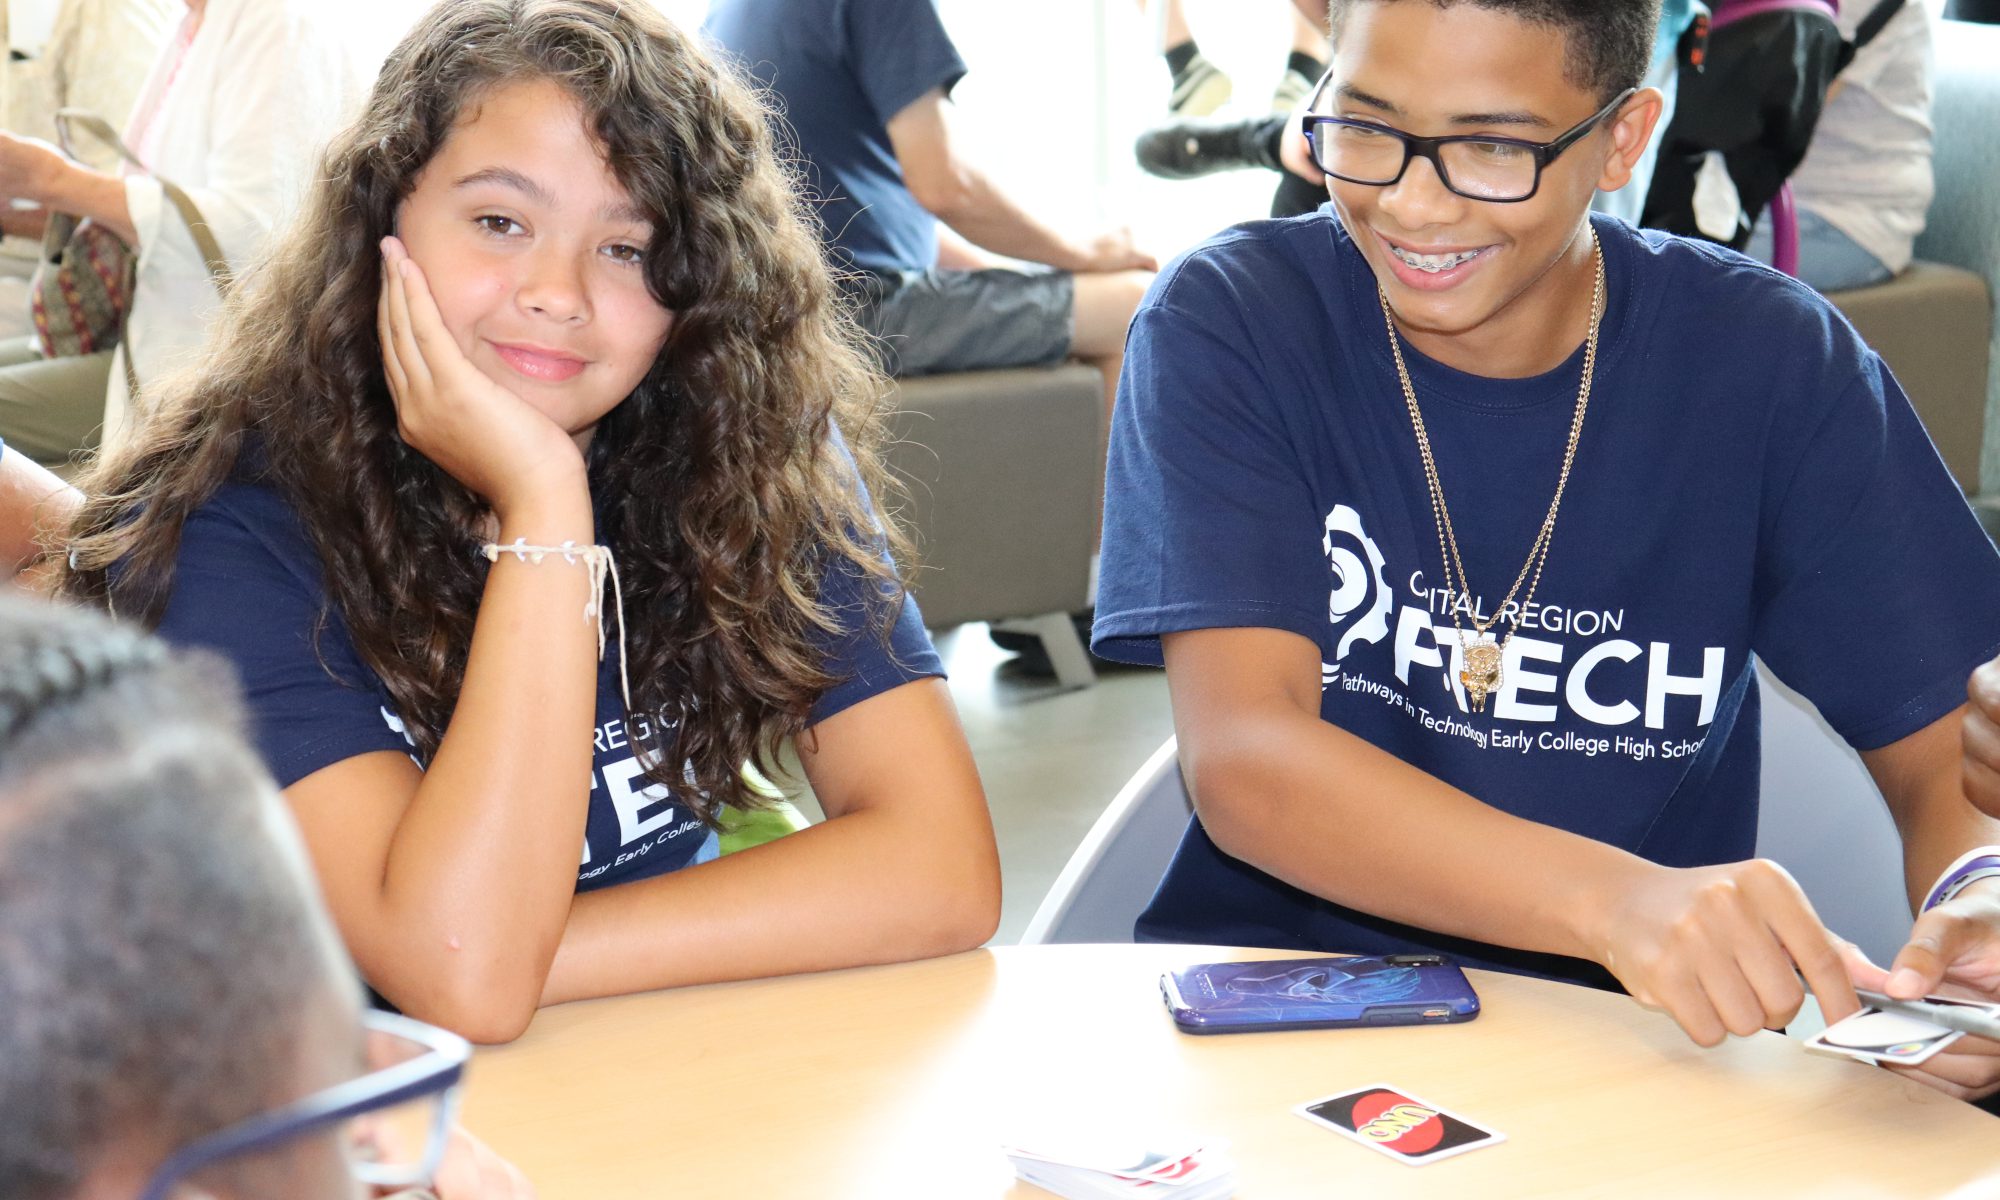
(160, 950)
(1610, 41)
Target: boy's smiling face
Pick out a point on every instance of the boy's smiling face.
(1518, 304)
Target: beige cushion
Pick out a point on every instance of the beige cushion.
(1931, 324)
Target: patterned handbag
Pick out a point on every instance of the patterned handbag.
(81, 292)
(82, 286)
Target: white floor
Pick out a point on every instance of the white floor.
(1051, 759)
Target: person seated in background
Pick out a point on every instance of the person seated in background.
(240, 100)
(1189, 147)
(167, 975)
(535, 529)
(34, 504)
(866, 88)
(1457, 515)
(1865, 184)
(96, 57)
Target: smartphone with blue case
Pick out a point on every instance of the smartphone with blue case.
(1319, 993)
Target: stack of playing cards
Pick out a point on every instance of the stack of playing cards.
(1874, 1036)
(1088, 1171)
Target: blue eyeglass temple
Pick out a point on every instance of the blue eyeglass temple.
(436, 1071)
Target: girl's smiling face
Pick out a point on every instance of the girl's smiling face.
(535, 255)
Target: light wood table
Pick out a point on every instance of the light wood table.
(890, 1082)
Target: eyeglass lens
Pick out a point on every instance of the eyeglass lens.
(399, 1145)
(1485, 170)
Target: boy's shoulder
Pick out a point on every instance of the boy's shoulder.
(1708, 299)
(1254, 255)
(1687, 301)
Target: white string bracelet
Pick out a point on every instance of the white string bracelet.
(598, 560)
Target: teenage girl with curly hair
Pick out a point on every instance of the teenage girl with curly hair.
(554, 290)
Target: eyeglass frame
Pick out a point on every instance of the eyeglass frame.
(437, 1072)
(1414, 146)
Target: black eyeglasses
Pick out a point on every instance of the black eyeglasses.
(397, 1117)
(1480, 166)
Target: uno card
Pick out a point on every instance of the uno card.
(1398, 1124)
(1872, 1035)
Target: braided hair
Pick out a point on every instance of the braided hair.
(54, 665)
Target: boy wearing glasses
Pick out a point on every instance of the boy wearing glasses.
(1456, 515)
(177, 1016)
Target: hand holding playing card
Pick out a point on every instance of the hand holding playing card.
(1954, 950)
(1721, 948)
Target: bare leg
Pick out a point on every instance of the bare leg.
(1105, 303)
(1308, 34)
(1172, 23)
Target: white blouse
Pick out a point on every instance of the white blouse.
(239, 123)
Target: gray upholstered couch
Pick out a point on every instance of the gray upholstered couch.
(1934, 323)
(1005, 473)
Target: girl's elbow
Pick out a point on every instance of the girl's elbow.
(476, 1006)
(963, 904)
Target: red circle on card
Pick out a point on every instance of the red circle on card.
(1385, 1118)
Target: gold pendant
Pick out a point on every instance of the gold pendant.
(1482, 669)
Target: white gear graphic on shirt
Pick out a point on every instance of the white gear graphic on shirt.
(1352, 581)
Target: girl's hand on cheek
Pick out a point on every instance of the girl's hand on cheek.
(506, 451)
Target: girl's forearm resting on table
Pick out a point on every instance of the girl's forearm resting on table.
(869, 887)
(904, 868)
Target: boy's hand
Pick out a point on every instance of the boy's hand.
(1954, 950)
(1294, 151)
(506, 451)
(1982, 739)
(1721, 948)
(472, 1171)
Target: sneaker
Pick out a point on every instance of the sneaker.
(1191, 149)
(1199, 90)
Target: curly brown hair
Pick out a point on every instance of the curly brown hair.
(720, 481)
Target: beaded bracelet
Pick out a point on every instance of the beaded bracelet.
(1981, 862)
(598, 561)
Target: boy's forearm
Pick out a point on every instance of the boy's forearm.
(1325, 811)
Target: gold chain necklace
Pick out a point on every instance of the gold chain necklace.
(1480, 674)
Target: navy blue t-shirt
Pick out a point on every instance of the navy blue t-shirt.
(1750, 480)
(248, 584)
(842, 69)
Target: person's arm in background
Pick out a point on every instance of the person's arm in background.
(957, 192)
(957, 254)
(33, 170)
(33, 504)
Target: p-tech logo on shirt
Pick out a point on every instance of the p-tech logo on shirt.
(1561, 666)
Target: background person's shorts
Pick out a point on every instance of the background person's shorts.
(934, 321)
